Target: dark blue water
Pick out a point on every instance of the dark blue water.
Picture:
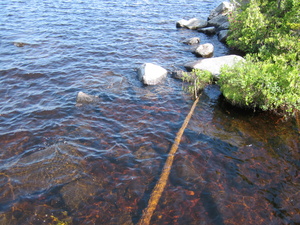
(97, 163)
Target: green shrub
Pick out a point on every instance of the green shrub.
(264, 85)
(198, 80)
(269, 79)
(248, 28)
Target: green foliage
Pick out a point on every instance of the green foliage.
(268, 30)
(247, 29)
(265, 24)
(263, 84)
(198, 80)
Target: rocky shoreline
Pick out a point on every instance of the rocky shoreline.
(216, 24)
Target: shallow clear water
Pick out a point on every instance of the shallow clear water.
(97, 163)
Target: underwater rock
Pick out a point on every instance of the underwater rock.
(20, 44)
(83, 98)
(42, 170)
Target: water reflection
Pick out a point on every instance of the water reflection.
(98, 163)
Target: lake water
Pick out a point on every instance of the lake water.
(98, 163)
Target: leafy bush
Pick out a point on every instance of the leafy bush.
(247, 29)
(198, 80)
(263, 85)
(270, 79)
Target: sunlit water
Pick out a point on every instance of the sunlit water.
(98, 163)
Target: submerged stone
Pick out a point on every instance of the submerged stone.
(42, 170)
(83, 98)
(20, 44)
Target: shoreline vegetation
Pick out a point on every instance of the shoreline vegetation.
(268, 32)
(269, 78)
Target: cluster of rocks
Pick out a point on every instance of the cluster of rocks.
(216, 23)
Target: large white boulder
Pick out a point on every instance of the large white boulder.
(151, 74)
(214, 65)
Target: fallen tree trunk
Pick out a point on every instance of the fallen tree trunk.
(160, 185)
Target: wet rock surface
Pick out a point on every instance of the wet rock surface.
(151, 74)
(83, 98)
(192, 41)
(208, 30)
(204, 50)
(192, 24)
(214, 65)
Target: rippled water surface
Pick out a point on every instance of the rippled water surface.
(98, 163)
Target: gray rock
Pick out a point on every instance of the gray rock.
(207, 30)
(192, 24)
(83, 98)
(195, 23)
(192, 41)
(214, 65)
(223, 9)
(222, 35)
(205, 50)
(224, 26)
(151, 74)
(179, 74)
(218, 21)
(183, 75)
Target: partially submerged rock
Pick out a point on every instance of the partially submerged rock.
(151, 74)
(20, 44)
(214, 65)
(204, 50)
(179, 74)
(83, 98)
(207, 30)
(222, 35)
(192, 24)
(192, 41)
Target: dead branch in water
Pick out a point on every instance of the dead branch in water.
(160, 185)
